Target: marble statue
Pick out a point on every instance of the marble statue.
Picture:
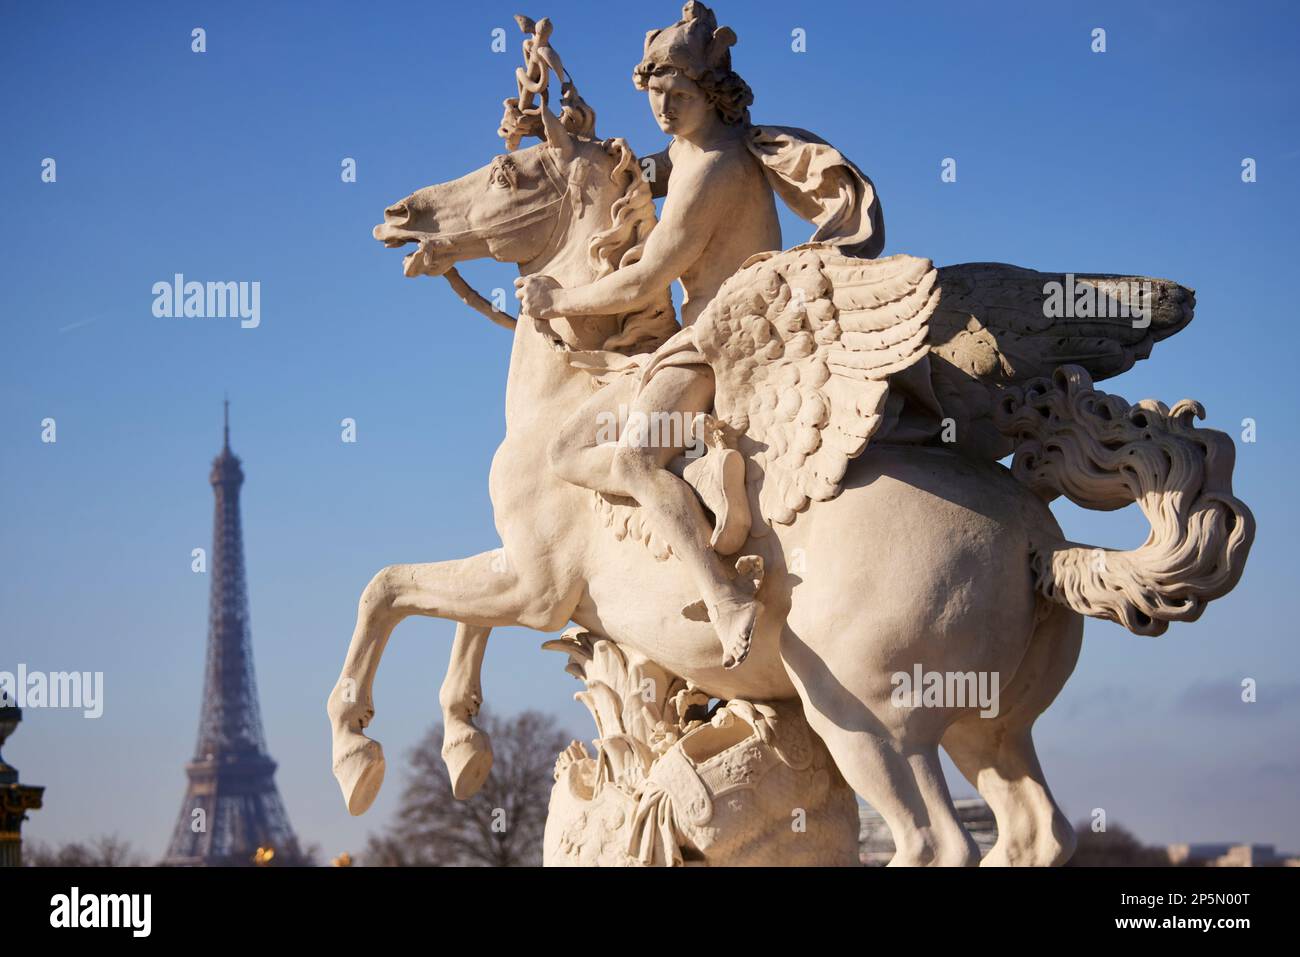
(760, 517)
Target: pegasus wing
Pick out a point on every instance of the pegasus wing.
(802, 345)
(998, 326)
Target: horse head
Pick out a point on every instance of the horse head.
(571, 207)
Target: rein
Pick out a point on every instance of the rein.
(474, 299)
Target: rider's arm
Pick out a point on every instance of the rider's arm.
(690, 215)
(659, 166)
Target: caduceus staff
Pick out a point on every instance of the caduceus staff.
(523, 117)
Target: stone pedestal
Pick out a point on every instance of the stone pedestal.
(675, 782)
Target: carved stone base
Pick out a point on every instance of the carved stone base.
(673, 782)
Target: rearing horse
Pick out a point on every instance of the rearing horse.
(925, 555)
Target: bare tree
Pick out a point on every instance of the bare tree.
(1114, 847)
(105, 851)
(501, 826)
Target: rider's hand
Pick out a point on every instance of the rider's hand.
(536, 296)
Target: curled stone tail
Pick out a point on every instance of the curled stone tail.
(1103, 454)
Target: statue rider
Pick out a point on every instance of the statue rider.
(718, 177)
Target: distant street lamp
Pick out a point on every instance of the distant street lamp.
(15, 799)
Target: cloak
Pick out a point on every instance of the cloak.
(819, 183)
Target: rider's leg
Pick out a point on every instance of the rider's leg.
(640, 472)
(582, 453)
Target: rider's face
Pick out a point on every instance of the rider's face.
(680, 106)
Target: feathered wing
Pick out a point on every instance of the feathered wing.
(802, 344)
(996, 326)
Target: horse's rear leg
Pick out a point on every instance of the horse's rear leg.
(482, 591)
(888, 755)
(1003, 766)
(909, 792)
(997, 754)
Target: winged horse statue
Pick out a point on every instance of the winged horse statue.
(877, 551)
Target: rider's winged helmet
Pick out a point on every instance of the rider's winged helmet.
(697, 48)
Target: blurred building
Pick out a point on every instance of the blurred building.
(876, 846)
(1229, 855)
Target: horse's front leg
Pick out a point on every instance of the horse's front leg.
(466, 750)
(482, 591)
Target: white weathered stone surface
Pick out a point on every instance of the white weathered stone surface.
(849, 522)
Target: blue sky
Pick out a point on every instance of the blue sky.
(225, 166)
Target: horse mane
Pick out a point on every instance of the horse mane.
(632, 217)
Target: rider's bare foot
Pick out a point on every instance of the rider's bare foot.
(734, 620)
(735, 615)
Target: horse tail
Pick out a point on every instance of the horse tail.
(1103, 454)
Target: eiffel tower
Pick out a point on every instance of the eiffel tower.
(232, 814)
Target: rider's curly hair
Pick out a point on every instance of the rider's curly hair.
(697, 48)
(726, 91)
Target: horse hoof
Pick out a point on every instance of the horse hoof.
(468, 763)
(360, 772)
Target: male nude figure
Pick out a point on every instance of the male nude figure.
(719, 209)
